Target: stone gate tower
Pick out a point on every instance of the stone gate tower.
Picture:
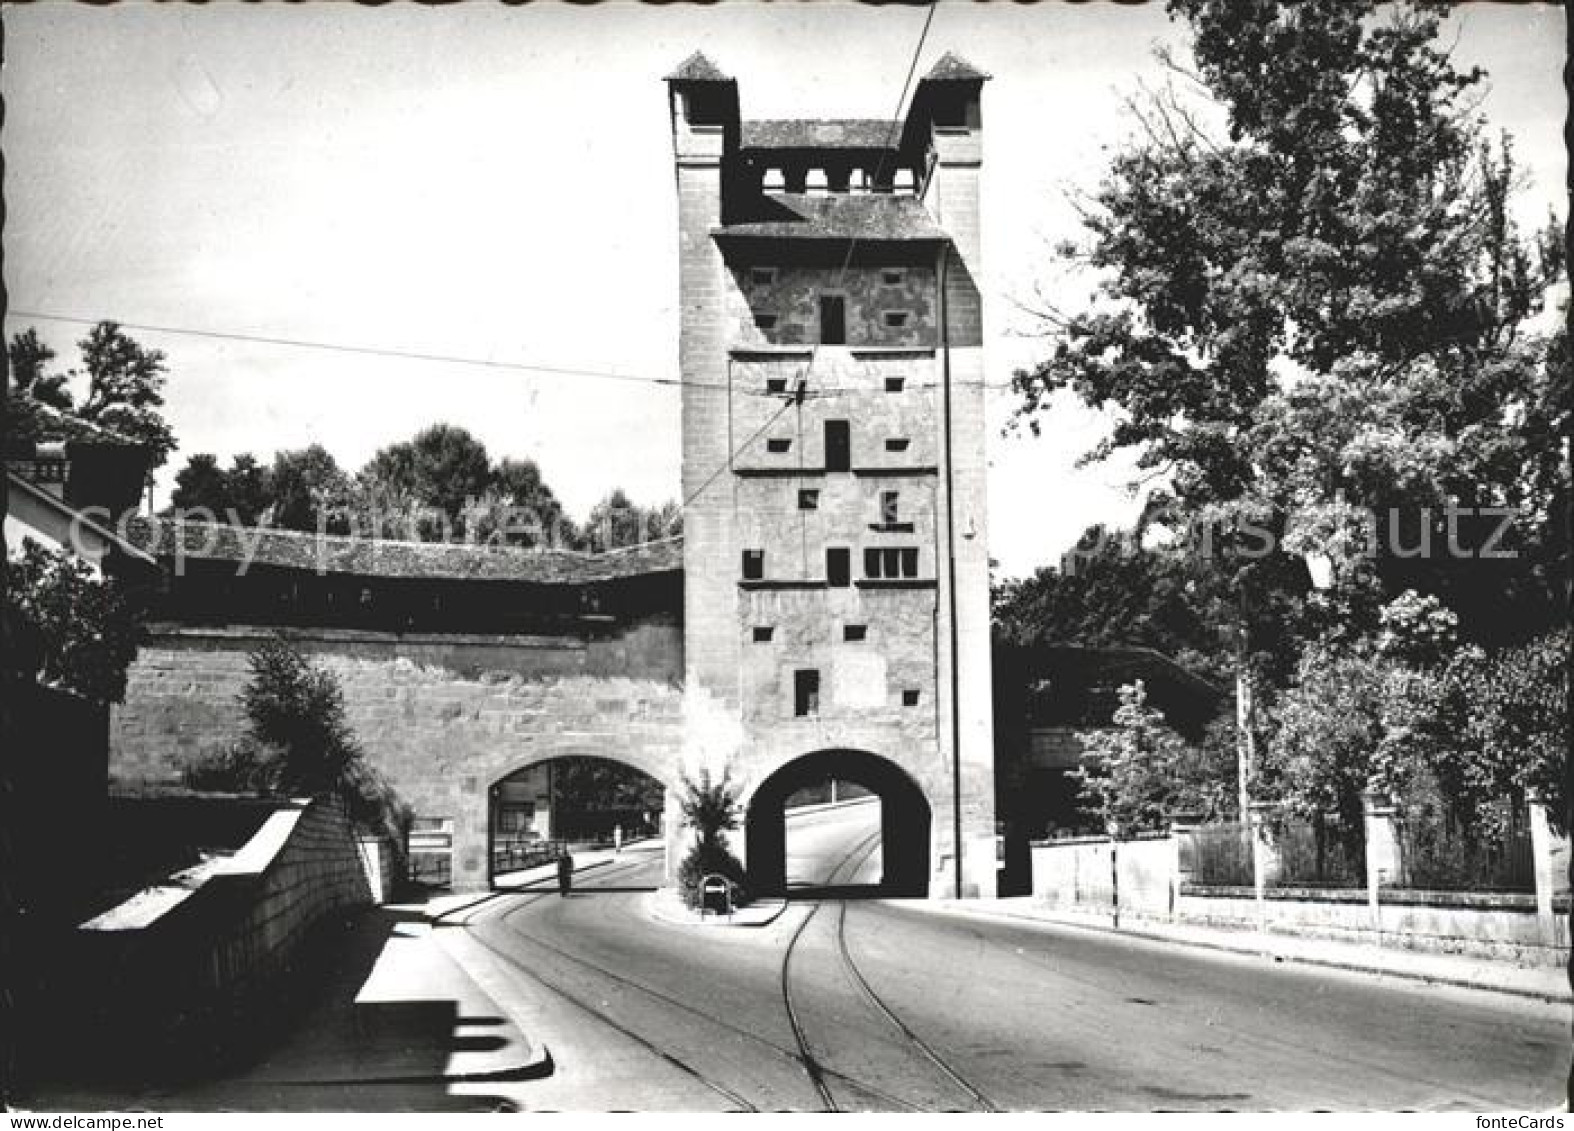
(836, 545)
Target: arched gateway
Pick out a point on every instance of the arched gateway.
(904, 819)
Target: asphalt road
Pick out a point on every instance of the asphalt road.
(865, 1005)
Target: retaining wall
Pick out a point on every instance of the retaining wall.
(1115, 882)
(198, 959)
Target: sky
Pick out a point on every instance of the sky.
(495, 184)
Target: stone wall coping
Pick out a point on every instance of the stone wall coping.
(1476, 900)
(1069, 841)
(1484, 900)
(358, 636)
(258, 853)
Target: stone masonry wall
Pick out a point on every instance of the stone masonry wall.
(443, 717)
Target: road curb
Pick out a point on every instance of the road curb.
(653, 908)
(1253, 947)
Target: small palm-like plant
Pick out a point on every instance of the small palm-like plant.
(710, 808)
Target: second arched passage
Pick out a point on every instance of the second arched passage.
(904, 826)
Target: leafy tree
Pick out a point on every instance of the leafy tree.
(242, 493)
(125, 386)
(1517, 736)
(298, 741)
(585, 784)
(617, 521)
(28, 356)
(297, 709)
(710, 807)
(1136, 776)
(1111, 591)
(442, 467)
(517, 484)
(71, 628)
(1325, 296)
(308, 491)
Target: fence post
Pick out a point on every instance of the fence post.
(1384, 854)
(1183, 855)
(1550, 853)
(1265, 856)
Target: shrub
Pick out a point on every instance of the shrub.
(706, 859)
(233, 767)
(710, 808)
(71, 628)
(1136, 776)
(298, 742)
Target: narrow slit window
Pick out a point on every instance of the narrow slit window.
(776, 384)
(762, 276)
(805, 692)
(838, 445)
(898, 444)
(833, 320)
(838, 568)
(890, 507)
(763, 633)
(765, 321)
(778, 446)
(753, 565)
(895, 319)
(892, 276)
(895, 384)
(808, 499)
(854, 633)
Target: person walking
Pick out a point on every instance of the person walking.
(565, 874)
(617, 839)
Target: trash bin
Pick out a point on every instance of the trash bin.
(716, 895)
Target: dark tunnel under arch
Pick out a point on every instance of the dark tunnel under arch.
(904, 819)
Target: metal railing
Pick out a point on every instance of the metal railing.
(1220, 854)
(518, 853)
(1438, 855)
(1319, 853)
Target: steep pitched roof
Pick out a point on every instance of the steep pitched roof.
(73, 523)
(821, 133)
(331, 553)
(837, 216)
(951, 67)
(41, 423)
(697, 68)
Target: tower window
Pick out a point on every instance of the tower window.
(890, 507)
(838, 446)
(763, 633)
(838, 567)
(762, 276)
(892, 276)
(778, 445)
(910, 697)
(776, 384)
(805, 692)
(753, 565)
(894, 319)
(833, 320)
(887, 563)
(895, 384)
(853, 633)
(898, 444)
(808, 500)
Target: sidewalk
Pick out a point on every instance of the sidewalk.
(1546, 983)
(388, 1021)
